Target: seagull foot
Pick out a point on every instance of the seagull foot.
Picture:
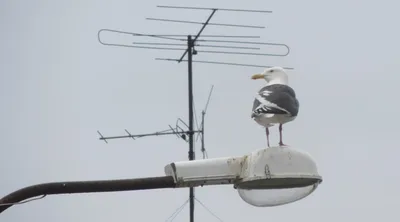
(281, 144)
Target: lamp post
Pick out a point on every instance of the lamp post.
(257, 176)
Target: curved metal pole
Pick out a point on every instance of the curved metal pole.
(85, 187)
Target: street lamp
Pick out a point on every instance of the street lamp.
(264, 178)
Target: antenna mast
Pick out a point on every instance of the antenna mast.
(191, 42)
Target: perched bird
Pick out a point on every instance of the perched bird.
(275, 103)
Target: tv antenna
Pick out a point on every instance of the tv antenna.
(192, 45)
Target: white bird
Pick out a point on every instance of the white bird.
(276, 103)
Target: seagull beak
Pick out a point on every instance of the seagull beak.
(257, 76)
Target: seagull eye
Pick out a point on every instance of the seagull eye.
(272, 71)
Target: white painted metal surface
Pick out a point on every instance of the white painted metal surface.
(205, 172)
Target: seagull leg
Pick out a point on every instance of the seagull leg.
(280, 136)
(267, 132)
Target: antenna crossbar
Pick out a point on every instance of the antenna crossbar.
(197, 45)
(203, 23)
(220, 9)
(164, 36)
(221, 63)
(242, 53)
(218, 36)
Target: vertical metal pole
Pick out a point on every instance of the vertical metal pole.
(202, 134)
(191, 152)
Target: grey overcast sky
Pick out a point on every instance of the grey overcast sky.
(59, 85)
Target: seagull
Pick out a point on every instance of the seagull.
(275, 103)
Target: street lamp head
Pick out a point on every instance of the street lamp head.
(270, 171)
(277, 176)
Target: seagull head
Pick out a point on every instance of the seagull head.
(273, 75)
